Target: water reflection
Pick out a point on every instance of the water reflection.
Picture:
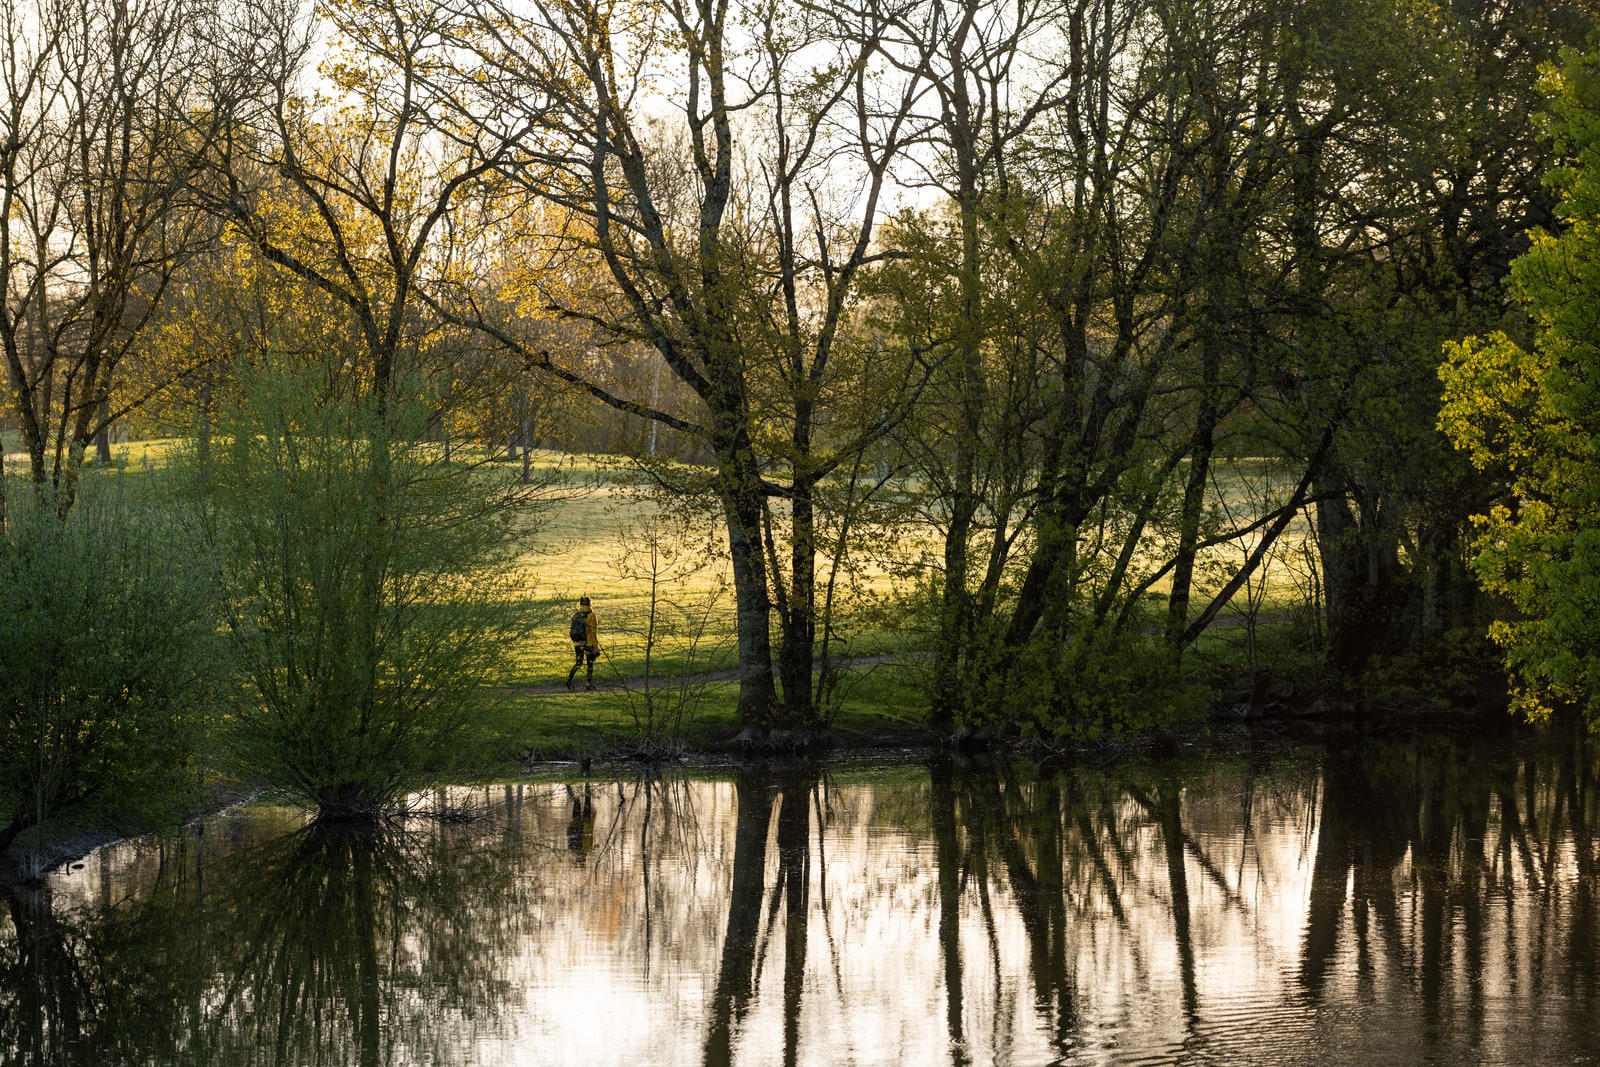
(1419, 900)
(270, 945)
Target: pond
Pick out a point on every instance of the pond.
(1423, 898)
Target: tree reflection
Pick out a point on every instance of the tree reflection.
(318, 948)
(1169, 813)
(1020, 826)
(974, 914)
(95, 984)
(757, 791)
(1401, 875)
(947, 852)
(47, 1014)
(1416, 839)
(736, 974)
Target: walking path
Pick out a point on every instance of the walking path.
(619, 685)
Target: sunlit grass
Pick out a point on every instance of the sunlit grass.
(876, 703)
(590, 540)
(135, 455)
(1241, 489)
(584, 535)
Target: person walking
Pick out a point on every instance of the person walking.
(585, 642)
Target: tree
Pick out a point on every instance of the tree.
(363, 571)
(109, 115)
(1410, 226)
(988, 85)
(1116, 351)
(725, 166)
(366, 598)
(1532, 415)
(1236, 240)
(351, 191)
(108, 661)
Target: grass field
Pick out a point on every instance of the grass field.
(594, 532)
(591, 542)
(595, 539)
(881, 702)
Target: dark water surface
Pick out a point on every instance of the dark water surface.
(1417, 899)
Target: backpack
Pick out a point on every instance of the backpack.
(580, 626)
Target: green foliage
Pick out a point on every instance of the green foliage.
(1534, 417)
(1440, 674)
(1104, 682)
(364, 588)
(108, 660)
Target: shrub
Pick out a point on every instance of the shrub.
(682, 592)
(1101, 682)
(363, 581)
(108, 660)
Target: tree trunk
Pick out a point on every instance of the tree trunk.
(1366, 592)
(800, 620)
(203, 433)
(956, 614)
(1194, 499)
(740, 493)
(102, 436)
(955, 610)
(526, 429)
(1336, 534)
(1048, 582)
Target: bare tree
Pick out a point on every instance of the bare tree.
(726, 166)
(345, 185)
(994, 72)
(1112, 170)
(109, 116)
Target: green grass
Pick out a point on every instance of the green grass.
(590, 540)
(131, 455)
(505, 730)
(586, 539)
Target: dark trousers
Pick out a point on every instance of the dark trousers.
(583, 655)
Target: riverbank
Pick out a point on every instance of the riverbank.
(543, 728)
(881, 704)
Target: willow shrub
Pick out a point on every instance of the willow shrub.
(108, 660)
(1098, 683)
(364, 581)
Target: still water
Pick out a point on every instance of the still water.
(1416, 899)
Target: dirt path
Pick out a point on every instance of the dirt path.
(620, 685)
(615, 684)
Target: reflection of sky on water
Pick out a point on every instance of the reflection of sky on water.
(1418, 901)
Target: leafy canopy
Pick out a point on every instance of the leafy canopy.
(1533, 414)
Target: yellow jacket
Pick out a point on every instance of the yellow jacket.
(591, 633)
